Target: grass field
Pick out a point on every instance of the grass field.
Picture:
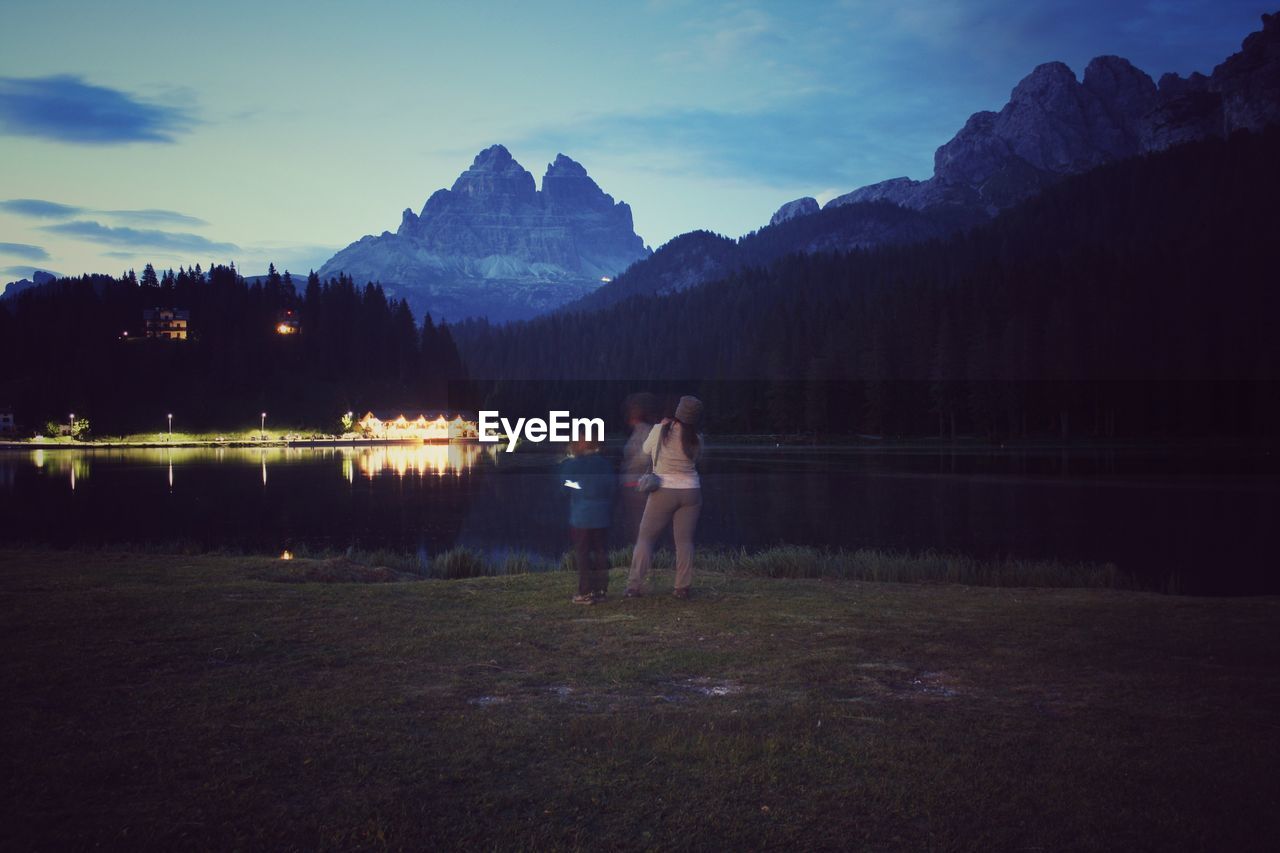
(164, 701)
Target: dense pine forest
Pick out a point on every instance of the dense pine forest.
(79, 345)
(1136, 300)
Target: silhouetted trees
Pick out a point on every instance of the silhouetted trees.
(77, 345)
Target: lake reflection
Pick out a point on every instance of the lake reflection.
(1205, 515)
(403, 460)
(398, 460)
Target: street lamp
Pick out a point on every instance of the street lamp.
(71, 424)
(263, 428)
(171, 426)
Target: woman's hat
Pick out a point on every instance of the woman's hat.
(689, 411)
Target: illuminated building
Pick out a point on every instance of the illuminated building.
(166, 323)
(434, 426)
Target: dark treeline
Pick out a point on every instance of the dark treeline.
(701, 256)
(63, 349)
(1136, 300)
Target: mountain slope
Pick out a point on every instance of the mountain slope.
(494, 245)
(1052, 127)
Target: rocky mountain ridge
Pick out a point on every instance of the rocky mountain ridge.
(1056, 125)
(38, 279)
(495, 245)
(1053, 126)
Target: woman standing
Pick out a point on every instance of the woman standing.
(674, 446)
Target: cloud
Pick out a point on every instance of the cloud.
(65, 108)
(810, 141)
(24, 250)
(177, 241)
(25, 272)
(37, 208)
(150, 216)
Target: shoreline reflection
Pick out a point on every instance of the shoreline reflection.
(402, 460)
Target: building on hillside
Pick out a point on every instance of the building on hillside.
(8, 426)
(287, 323)
(433, 426)
(169, 324)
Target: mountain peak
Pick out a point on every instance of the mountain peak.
(495, 173)
(495, 158)
(1043, 83)
(495, 245)
(567, 186)
(792, 209)
(566, 166)
(1110, 75)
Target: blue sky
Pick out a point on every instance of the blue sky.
(253, 131)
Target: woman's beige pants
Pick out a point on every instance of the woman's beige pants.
(681, 508)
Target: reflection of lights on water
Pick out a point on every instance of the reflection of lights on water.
(405, 459)
(72, 463)
(402, 460)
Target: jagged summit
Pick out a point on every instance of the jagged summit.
(1055, 124)
(495, 226)
(565, 166)
(792, 209)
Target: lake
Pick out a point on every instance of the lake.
(1207, 514)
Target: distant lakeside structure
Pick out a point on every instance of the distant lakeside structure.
(433, 426)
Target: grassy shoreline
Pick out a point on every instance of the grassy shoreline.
(160, 700)
(794, 562)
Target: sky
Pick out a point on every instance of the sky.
(261, 131)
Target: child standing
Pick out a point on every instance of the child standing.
(590, 480)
